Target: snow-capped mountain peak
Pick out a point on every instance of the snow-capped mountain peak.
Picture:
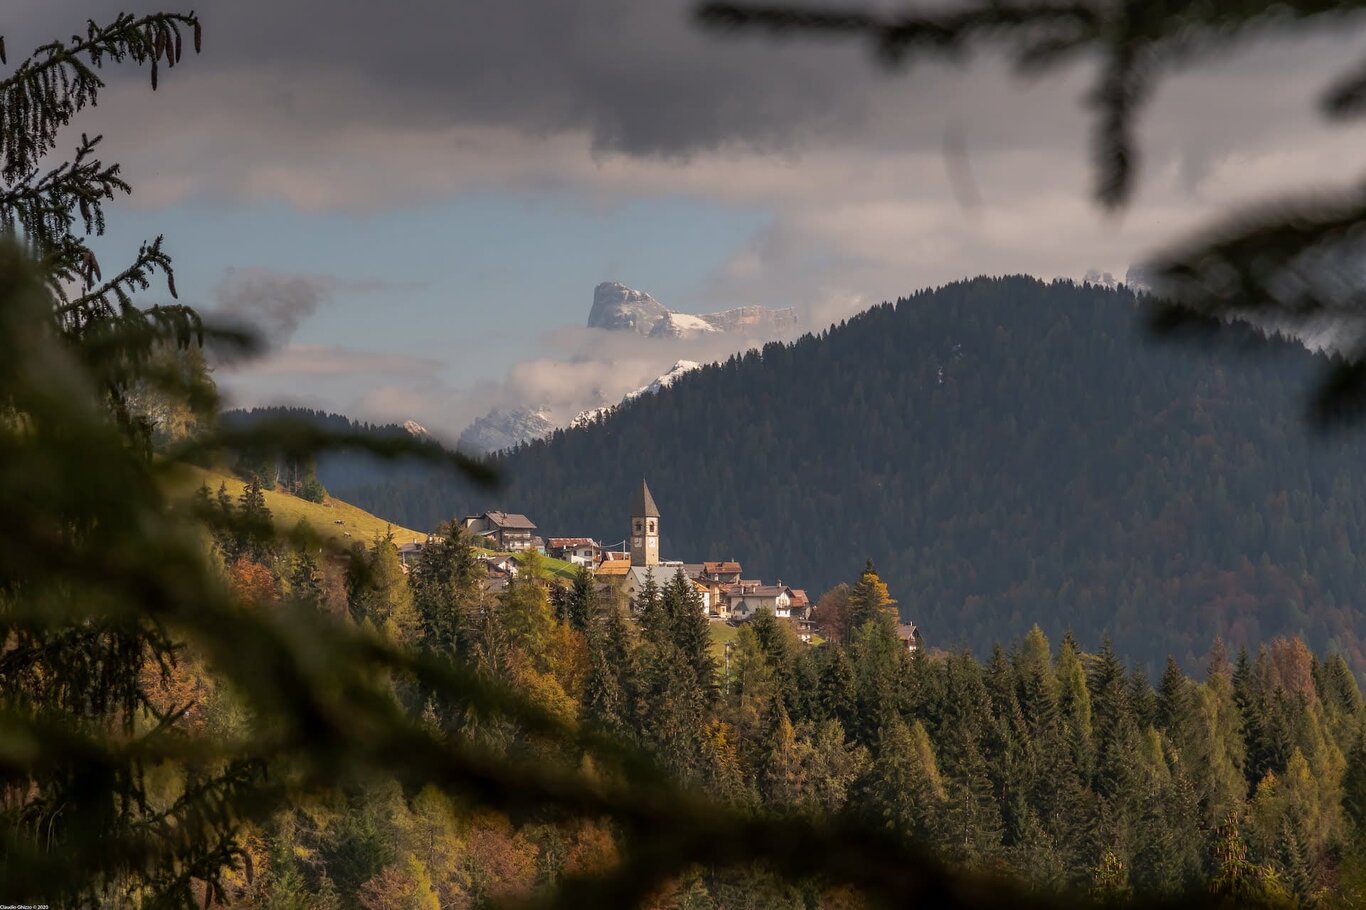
(415, 429)
(504, 428)
(619, 308)
(680, 368)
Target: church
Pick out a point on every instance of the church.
(644, 528)
(644, 543)
(723, 592)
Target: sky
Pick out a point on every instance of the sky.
(414, 200)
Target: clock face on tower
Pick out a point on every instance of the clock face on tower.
(635, 542)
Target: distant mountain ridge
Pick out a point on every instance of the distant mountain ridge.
(1008, 451)
(678, 370)
(504, 428)
(619, 308)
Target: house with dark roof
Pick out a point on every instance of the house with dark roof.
(505, 531)
(581, 551)
(909, 635)
(744, 600)
(725, 573)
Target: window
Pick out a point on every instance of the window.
(652, 526)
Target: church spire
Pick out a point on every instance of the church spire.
(643, 505)
(644, 528)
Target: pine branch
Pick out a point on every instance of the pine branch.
(115, 295)
(59, 79)
(47, 206)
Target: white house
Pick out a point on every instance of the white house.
(744, 600)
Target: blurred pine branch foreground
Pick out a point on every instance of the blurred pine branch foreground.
(198, 710)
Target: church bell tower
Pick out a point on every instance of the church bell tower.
(644, 528)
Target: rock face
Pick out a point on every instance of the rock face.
(502, 428)
(754, 320)
(663, 382)
(682, 325)
(619, 308)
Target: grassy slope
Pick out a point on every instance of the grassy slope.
(721, 633)
(355, 524)
(555, 568)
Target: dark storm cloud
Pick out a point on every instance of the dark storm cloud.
(643, 79)
(638, 75)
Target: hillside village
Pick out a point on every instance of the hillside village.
(724, 593)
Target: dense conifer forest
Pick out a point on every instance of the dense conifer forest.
(1008, 451)
(1068, 769)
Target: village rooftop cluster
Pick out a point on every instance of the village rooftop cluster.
(726, 595)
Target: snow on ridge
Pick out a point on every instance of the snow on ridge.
(679, 369)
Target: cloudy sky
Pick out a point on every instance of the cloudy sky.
(415, 199)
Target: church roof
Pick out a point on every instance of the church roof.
(643, 504)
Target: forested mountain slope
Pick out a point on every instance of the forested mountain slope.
(1007, 452)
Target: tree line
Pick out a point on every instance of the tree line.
(1066, 768)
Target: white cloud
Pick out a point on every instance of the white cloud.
(847, 162)
(325, 360)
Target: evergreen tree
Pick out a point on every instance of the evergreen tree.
(1217, 768)
(1074, 705)
(1293, 862)
(305, 582)
(525, 617)
(905, 794)
(223, 499)
(1236, 878)
(1175, 714)
(779, 645)
(875, 653)
(253, 525)
(870, 599)
(447, 584)
(582, 605)
(690, 632)
(1037, 681)
(649, 607)
(779, 772)
(379, 592)
(673, 721)
(1354, 788)
(836, 697)
(610, 691)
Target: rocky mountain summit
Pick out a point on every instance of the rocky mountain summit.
(619, 308)
(504, 428)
